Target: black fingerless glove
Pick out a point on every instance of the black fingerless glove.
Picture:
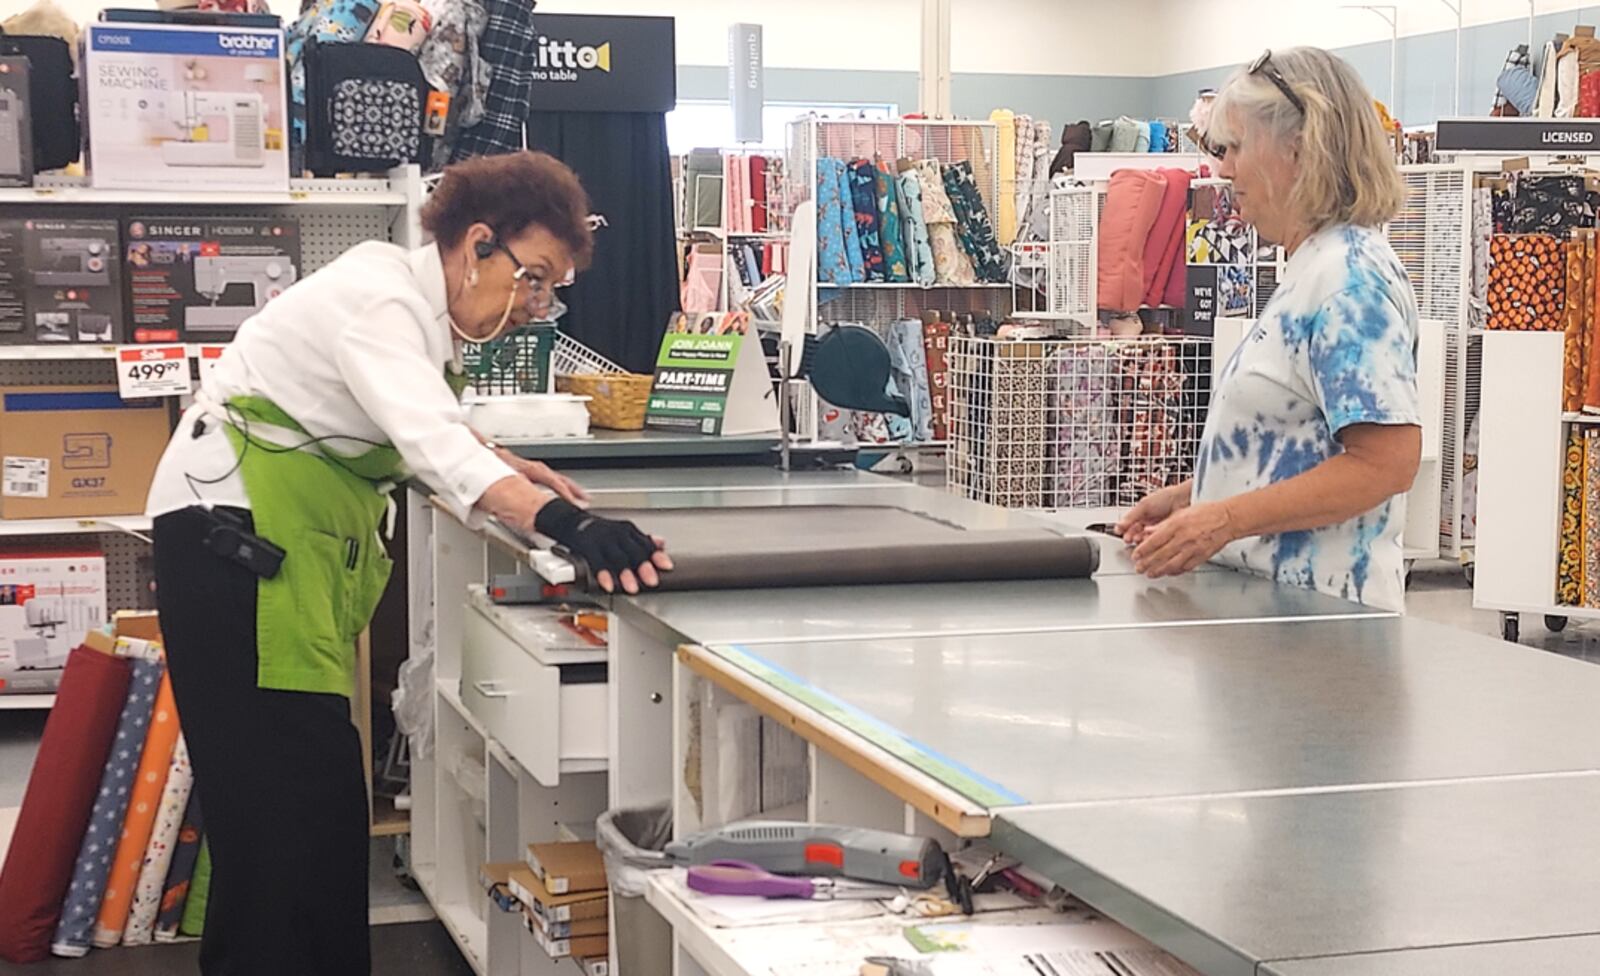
(603, 544)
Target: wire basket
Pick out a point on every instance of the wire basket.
(617, 400)
(1074, 423)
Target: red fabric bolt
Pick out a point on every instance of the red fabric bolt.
(55, 810)
(1589, 94)
(1133, 201)
(1164, 248)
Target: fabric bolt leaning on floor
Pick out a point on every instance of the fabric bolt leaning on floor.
(144, 802)
(59, 801)
(151, 885)
(180, 872)
(75, 934)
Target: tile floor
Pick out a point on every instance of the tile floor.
(422, 948)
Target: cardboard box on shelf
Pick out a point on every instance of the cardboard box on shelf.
(48, 602)
(535, 897)
(591, 945)
(568, 868)
(567, 930)
(16, 123)
(137, 624)
(198, 279)
(77, 451)
(60, 281)
(170, 107)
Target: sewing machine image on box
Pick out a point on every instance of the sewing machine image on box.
(236, 286)
(72, 262)
(11, 134)
(240, 141)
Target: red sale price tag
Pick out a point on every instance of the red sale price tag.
(152, 371)
(209, 355)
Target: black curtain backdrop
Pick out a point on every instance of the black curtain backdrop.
(620, 306)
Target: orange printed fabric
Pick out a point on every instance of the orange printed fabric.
(1569, 571)
(1591, 348)
(1580, 282)
(143, 803)
(1527, 282)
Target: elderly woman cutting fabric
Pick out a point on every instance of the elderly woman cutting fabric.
(268, 562)
(1313, 429)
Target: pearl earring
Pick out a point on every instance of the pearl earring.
(472, 278)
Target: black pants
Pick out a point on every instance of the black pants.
(279, 774)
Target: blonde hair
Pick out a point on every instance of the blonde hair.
(1347, 172)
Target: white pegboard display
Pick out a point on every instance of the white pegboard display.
(1074, 423)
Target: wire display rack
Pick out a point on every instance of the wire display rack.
(1077, 422)
(1432, 235)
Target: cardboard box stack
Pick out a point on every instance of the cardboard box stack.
(565, 899)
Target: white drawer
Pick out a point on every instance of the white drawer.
(524, 705)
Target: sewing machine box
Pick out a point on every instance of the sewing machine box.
(16, 124)
(197, 279)
(48, 602)
(77, 451)
(170, 107)
(60, 282)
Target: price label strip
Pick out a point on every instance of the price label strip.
(25, 477)
(209, 357)
(152, 371)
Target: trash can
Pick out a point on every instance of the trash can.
(632, 842)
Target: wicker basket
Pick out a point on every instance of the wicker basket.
(617, 401)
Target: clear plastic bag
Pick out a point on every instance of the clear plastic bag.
(632, 842)
(413, 712)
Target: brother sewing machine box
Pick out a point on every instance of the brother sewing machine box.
(48, 602)
(60, 281)
(198, 279)
(170, 107)
(16, 125)
(77, 451)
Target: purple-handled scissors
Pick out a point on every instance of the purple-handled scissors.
(744, 878)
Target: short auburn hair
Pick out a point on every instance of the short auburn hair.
(511, 192)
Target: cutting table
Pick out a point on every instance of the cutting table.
(1261, 779)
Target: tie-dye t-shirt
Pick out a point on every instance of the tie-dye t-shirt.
(1337, 345)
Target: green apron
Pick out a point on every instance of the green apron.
(324, 510)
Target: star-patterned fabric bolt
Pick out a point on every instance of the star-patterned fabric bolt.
(89, 875)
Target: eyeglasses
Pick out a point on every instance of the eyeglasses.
(542, 298)
(1260, 66)
(1263, 66)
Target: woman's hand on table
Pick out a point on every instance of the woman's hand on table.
(1154, 509)
(616, 551)
(542, 474)
(1184, 540)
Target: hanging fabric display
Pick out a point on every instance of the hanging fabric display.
(75, 933)
(891, 230)
(175, 890)
(1569, 573)
(1133, 202)
(951, 262)
(60, 798)
(1574, 319)
(1151, 383)
(1087, 452)
(1591, 518)
(170, 812)
(1552, 204)
(919, 249)
(833, 266)
(975, 230)
(508, 48)
(1005, 217)
(758, 194)
(1527, 282)
(852, 232)
(909, 361)
(194, 909)
(864, 200)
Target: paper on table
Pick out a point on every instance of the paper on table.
(1029, 943)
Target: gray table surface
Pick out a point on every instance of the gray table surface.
(1098, 715)
(1569, 956)
(1227, 883)
(606, 480)
(605, 444)
(1111, 601)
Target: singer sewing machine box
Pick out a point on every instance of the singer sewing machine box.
(197, 279)
(48, 602)
(77, 451)
(170, 107)
(60, 281)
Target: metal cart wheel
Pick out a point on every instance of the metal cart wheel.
(1510, 626)
(402, 863)
(1554, 624)
(1470, 574)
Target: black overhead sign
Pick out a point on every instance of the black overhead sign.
(1541, 136)
(591, 63)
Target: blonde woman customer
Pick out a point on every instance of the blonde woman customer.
(1313, 433)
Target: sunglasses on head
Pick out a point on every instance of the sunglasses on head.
(1260, 66)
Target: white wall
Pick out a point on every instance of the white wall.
(1060, 37)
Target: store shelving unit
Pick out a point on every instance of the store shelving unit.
(719, 234)
(878, 304)
(334, 215)
(1522, 459)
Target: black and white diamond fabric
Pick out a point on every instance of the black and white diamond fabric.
(376, 119)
